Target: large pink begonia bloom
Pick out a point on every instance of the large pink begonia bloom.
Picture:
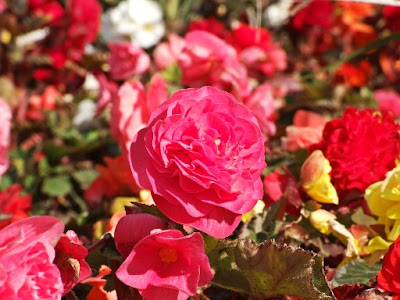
(201, 155)
(5, 121)
(208, 60)
(127, 60)
(132, 228)
(26, 256)
(133, 106)
(306, 130)
(388, 101)
(70, 260)
(167, 265)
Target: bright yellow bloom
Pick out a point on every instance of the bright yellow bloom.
(383, 198)
(316, 180)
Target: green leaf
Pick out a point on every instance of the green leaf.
(357, 271)
(85, 177)
(57, 186)
(267, 269)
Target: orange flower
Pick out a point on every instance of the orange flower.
(354, 75)
(98, 283)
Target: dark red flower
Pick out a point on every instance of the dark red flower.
(361, 147)
(13, 205)
(317, 13)
(211, 25)
(392, 17)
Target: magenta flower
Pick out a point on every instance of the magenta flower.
(167, 265)
(201, 155)
(5, 120)
(70, 260)
(26, 256)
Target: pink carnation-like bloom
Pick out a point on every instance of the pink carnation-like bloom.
(306, 130)
(127, 60)
(132, 108)
(167, 53)
(5, 120)
(201, 155)
(167, 265)
(208, 60)
(126, 238)
(70, 260)
(26, 255)
(388, 101)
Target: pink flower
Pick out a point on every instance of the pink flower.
(26, 255)
(306, 130)
(167, 265)
(201, 155)
(133, 107)
(126, 239)
(70, 260)
(3, 5)
(5, 120)
(127, 60)
(388, 101)
(108, 92)
(208, 60)
(167, 53)
(264, 106)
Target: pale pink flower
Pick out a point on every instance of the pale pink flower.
(26, 256)
(388, 101)
(201, 155)
(127, 60)
(306, 130)
(5, 120)
(167, 53)
(133, 106)
(167, 265)
(70, 260)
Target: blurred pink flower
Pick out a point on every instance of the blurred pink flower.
(306, 130)
(70, 260)
(5, 120)
(201, 155)
(167, 265)
(388, 101)
(167, 53)
(132, 108)
(127, 60)
(208, 60)
(108, 92)
(126, 238)
(3, 5)
(26, 256)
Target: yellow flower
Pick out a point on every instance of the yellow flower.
(316, 180)
(383, 198)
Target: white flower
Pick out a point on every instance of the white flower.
(85, 113)
(278, 13)
(137, 21)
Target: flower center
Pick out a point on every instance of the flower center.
(168, 255)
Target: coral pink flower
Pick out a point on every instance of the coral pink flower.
(167, 265)
(5, 120)
(26, 255)
(70, 260)
(208, 60)
(167, 53)
(388, 101)
(13, 206)
(133, 107)
(306, 130)
(257, 51)
(127, 60)
(264, 106)
(201, 155)
(126, 238)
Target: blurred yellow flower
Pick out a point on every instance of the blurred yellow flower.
(383, 198)
(316, 180)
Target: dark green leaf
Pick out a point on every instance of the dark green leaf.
(357, 271)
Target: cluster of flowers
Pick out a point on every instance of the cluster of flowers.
(199, 157)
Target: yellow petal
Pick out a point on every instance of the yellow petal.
(377, 243)
(119, 203)
(395, 231)
(376, 203)
(319, 219)
(257, 209)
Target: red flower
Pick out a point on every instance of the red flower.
(389, 276)
(354, 75)
(392, 17)
(361, 147)
(50, 10)
(13, 206)
(211, 25)
(317, 13)
(70, 260)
